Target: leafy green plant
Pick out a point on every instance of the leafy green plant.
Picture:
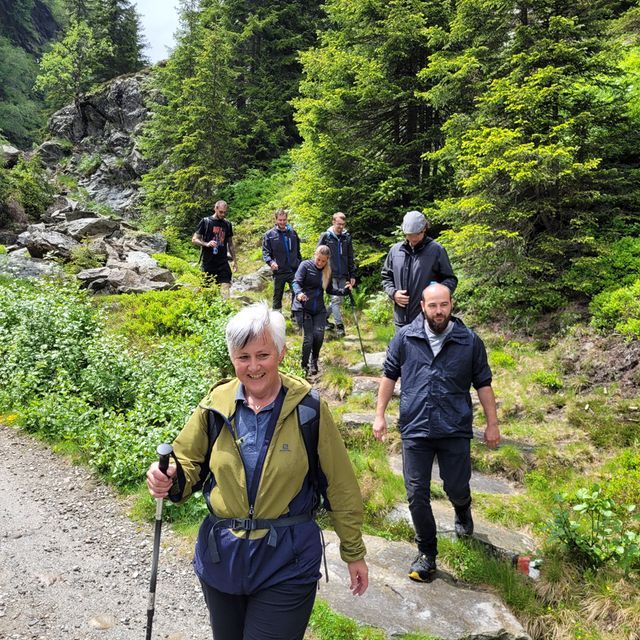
(501, 359)
(379, 310)
(83, 258)
(548, 379)
(618, 310)
(88, 164)
(596, 531)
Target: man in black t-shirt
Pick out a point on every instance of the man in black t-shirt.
(215, 237)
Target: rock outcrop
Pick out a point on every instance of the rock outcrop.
(97, 139)
(125, 254)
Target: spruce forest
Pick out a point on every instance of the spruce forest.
(514, 126)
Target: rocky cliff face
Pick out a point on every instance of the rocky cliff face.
(32, 33)
(95, 142)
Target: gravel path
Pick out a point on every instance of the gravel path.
(73, 566)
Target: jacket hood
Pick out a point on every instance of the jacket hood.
(419, 247)
(222, 395)
(332, 232)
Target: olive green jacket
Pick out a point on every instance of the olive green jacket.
(285, 467)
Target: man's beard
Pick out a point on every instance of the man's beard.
(438, 326)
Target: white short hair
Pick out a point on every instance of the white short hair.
(251, 323)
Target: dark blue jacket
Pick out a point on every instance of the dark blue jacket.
(284, 248)
(342, 263)
(413, 269)
(308, 280)
(435, 400)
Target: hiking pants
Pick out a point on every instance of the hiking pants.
(313, 328)
(336, 301)
(280, 612)
(279, 282)
(454, 460)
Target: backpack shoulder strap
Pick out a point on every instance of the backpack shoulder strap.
(309, 423)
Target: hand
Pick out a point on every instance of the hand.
(274, 265)
(492, 436)
(157, 482)
(401, 298)
(302, 297)
(348, 286)
(235, 265)
(353, 282)
(359, 574)
(380, 428)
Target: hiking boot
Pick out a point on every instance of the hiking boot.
(329, 326)
(305, 371)
(340, 330)
(423, 568)
(313, 368)
(463, 523)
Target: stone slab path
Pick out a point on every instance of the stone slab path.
(442, 608)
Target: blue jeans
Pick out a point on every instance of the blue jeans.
(454, 460)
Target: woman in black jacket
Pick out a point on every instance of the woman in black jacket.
(312, 279)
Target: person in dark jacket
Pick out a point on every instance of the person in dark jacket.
(343, 267)
(214, 236)
(281, 251)
(411, 265)
(258, 552)
(312, 279)
(438, 359)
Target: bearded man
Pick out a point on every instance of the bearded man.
(438, 359)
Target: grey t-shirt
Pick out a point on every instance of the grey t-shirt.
(436, 339)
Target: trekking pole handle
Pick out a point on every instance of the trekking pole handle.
(164, 451)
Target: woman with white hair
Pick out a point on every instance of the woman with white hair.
(312, 279)
(259, 550)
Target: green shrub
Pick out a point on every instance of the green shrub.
(28, 185)
(379, 310)
(618, 310)
(608, 426)
(88, 164)
(3, 249)
(595, 531)
(83, 258)
(548, 379)
(501, 360)
(617, 265)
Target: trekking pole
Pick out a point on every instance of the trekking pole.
(163, 451)
(355, 317)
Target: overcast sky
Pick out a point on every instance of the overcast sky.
(159, 22)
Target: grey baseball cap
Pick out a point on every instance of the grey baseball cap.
(413, 222)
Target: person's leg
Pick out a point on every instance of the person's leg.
(224, 280)
(227, 613)
(336, 303)
(454, 460)
(318, 339)
(289, 281)
(307, 340)
(280, 612)
(417, 461)
(278, 289)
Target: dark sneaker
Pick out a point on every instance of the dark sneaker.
(329, 326)
(340, 330)
(423, 568)
(464, 523)
(305, 371)
(313, 368)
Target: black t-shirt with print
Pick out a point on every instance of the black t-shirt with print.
(221, 230)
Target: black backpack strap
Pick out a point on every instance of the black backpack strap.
(309, 423)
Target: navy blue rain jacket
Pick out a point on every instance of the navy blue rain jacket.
(435, 401)
(308, 280)
(342, 263)
(284, 248)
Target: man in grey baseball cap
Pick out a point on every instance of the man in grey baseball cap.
(412, 265)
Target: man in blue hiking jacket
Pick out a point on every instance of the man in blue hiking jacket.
(438, 359)
(343, 267)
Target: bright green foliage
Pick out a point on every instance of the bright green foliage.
(190, 138)
(615, 265)
(548, 379)
(69, 380)
(618, 310)
(328, 625)
(365, 130)
(71, 67)
(26, 186)
(539, 161)
(595, 531)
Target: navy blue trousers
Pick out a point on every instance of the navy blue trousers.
(280, 612)
(454, 460)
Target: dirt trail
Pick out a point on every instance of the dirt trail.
(73, 566)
